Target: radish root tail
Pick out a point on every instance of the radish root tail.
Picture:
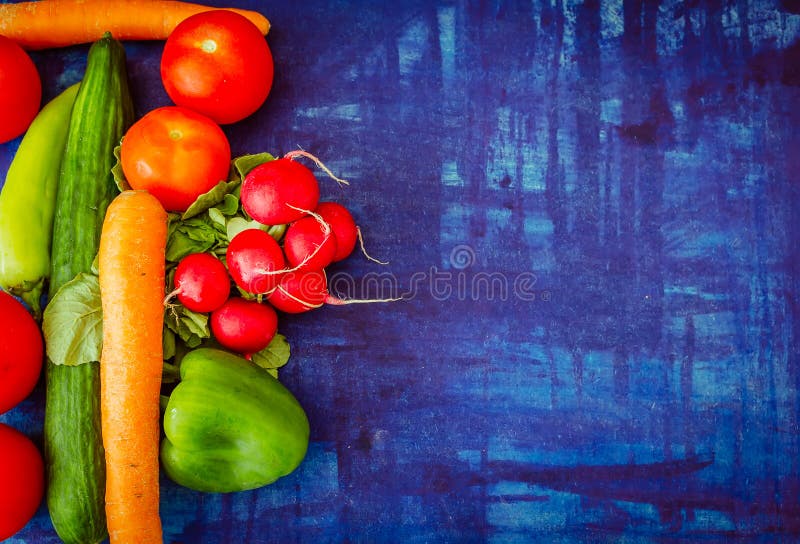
(326, 228)
(364, 250)
(291, 155)
(298, 300)
(334, 301)
(172, 294)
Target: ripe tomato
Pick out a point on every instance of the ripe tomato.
(176, 154)
(21, 480)
(21, 353)
(219, 64)
(20, 90)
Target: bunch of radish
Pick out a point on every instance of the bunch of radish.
(288, 277)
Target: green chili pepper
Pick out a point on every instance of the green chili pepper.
(230, 426)
(27, 202)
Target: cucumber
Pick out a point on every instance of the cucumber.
(73, 445)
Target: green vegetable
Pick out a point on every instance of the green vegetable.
(191, 327)
(28, 199)
(196, 235)
(274, 356)
(230, 426)
(102, 112)
(73, 322)
(242, 165)
(211, 198)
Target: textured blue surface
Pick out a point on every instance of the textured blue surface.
(592, 210)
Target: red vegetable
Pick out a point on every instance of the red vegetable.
(176, 154)
(309, 244)
(304, 290)
(300, 291)
(244, 326)
(279, 192)
(21, 352)
(202, 283)
(343, 226)
(255, 261)
(21, 480)
(20, 90)
(219, 64)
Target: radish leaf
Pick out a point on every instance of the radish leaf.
(73, 322)
(275, 355)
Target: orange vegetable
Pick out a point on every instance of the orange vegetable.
(131, 271)
(59, 23)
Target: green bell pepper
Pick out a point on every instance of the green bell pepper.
(230, 426)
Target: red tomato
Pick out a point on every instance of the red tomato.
(176, 154)
(219, 64)
(20, 90)
(21, 352)
(21, 480)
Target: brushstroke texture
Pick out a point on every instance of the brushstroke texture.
(640, 161)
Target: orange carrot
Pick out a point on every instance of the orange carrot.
(57, 23)
(131, 270)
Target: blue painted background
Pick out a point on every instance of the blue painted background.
(592, 210)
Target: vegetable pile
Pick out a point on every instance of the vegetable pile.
(158, 267)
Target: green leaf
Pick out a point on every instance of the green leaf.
(217, 216)
(116, 171)
(211, 198)
(73, 322)
(191, 327)
(238, 224)
(193, 342)
(277, 231)
(196, 323)
(196, 235)
(197, 228)
(181, 245)
(169, 282)
(95, 268)
(245, 163)
(30, 291)
(245, 295)
(168, 343)
(275, 355)
(170, 373)
(229, 204)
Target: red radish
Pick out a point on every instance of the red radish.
(244, 326)
(202, 283)
(255, 261)
(281, 191)
(303, 290)
(278, 192)
(343, 226)
(300, 291)
(309, 244)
